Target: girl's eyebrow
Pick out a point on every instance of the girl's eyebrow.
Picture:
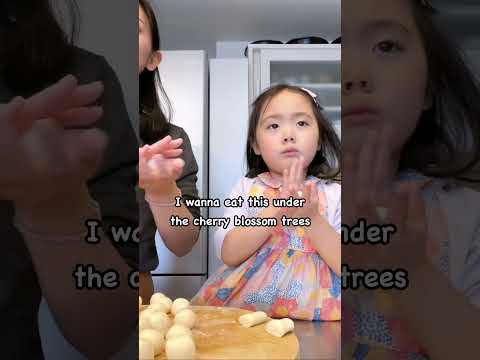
(280, 116)
(385, 25)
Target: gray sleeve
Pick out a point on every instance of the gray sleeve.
(472, 270)
(187, 182)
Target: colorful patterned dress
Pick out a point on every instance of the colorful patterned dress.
(286, 277)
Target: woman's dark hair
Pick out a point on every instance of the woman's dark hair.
(154, 124)
(325, 164)
(446, 142)
(37, 50)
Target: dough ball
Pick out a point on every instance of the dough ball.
(146, 314)
(155, 338)
(178, 330)
(155, 297)
(178, 305)
(160, 321)
(186, 317)
(180, 347)
(145, 350)
(143, 323)
(158, 307)
(167, 302)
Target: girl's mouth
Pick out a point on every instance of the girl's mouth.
(291, 152)
(359, 115)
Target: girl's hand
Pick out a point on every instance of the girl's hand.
(160, 167)
(48, 152)
(378, 200)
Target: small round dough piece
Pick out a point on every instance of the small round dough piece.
(158, 307)
(160, 321)
(145, 350)
(155, 338)
(252, 319)
(143, 323)
(279, 327)
(155, 297)
(186, 317)
(178, 330)
(180, 347)
(167, 302)
(178, 305)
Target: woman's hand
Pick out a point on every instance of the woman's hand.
(160, 167)
(48, 150)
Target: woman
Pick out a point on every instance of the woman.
(167, 168)
(61, 172)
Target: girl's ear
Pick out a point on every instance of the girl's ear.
(255, 148)
(154, 60)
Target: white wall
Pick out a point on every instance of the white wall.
(199, 24)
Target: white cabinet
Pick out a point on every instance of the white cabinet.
(315, 67)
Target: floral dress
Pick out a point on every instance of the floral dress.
(286, 277)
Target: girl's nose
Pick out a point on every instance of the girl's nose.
(349, 86)
(290, 138)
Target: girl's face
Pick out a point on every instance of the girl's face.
(384, 71)
(147, 58)
(287, 129)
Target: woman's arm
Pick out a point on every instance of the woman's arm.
(84, 313)
(179, 239)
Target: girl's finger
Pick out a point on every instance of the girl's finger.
(416, 223)
(284, 188)
(292, 174)
(306, 192)
(299, 179)
(363, 190)
(382, 161)
(313, 193)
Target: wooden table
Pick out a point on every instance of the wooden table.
(319, 340)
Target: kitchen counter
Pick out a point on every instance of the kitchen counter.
(319, 340)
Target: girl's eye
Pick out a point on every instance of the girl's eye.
(302, 123)
(272, 126)
(388, 46)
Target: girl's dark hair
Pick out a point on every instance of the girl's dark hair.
(37, 49)
(154, 124)
(325, 164)
(446, 142)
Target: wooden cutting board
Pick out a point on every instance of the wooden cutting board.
(218, 335)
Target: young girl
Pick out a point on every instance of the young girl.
(286, 271)
(410, 135)
(167, 167)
